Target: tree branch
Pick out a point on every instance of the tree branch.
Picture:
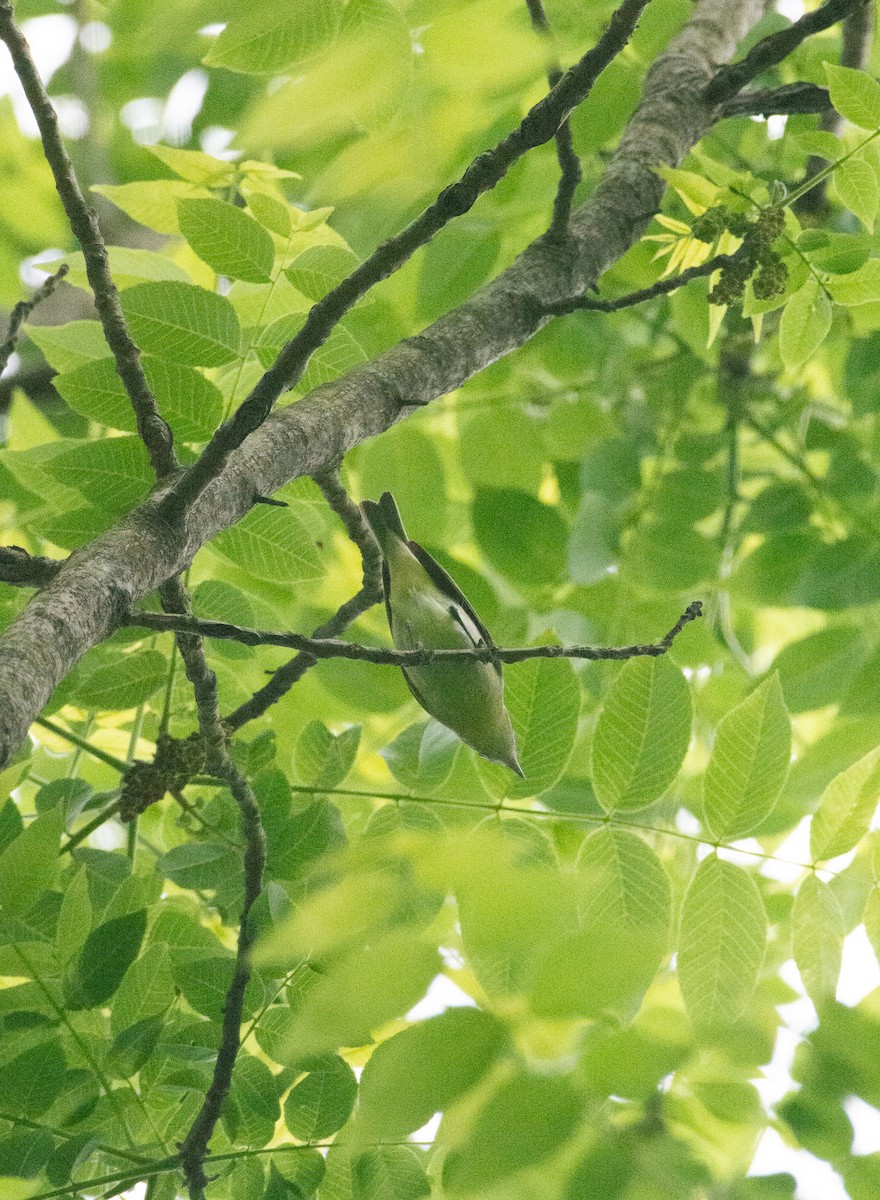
(569, 163)
(538, 126)
(782, 101)
(21, 569)
(332, 648)
(661, 288)
(194, 1148)
(773, 49)
(103, 581)
(23, 310)
(152, 427)
(370, 593)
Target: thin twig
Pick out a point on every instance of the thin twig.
(773, 49)
(569, 163)
(152, 428)
(194, 1147)
(370, 593)
(333, 648)
(661, 288)
(537, 127)
(23, 310)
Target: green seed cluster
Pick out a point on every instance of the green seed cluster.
(176, 761)
(756, 258)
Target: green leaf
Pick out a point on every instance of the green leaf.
(423, 1069)
(625, 906)
(29, 864)
(227, 239)
(855, 95)
(523, 1122)
(197, 864)
(670, 557)
(857, 189)
(543, 698)
(504, 453)
(817, 933)
(806, 320)
(152, 202)
(147, 989)
(268, 39)
(860, 287)
(272, 213)
(622, 882)
(406, 461)
(107, 954)
(361, 992)
(121, 680)
(340, 353)
(722, 942)
(133, 1046)
(128, 266)
(871, 919)
(252, 1109)
(319, 269)
(271, 543)
(642, 734)
(522, 538)
(323, 758)
(75, 916)
(322, 1102)
(846, 809)
(422, 756)
(183, 323)
(455, 263)
(389, 1173)
(23, 1156)
(113, 473)
(190, 403)
(593, 545)
(195, 165)
(30, 1082)
(816, 670)
(748, 763)
(68, 346)
(840, 575)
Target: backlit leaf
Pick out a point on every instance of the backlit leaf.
(722, 942)
(749, 762)
(642, 734)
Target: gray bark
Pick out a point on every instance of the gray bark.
(87, 598)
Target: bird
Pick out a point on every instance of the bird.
(428, 611)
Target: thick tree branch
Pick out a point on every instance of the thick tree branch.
(569, 163)
(83, 221)
(782, 101)
(773, 49)
(538, 126)
(369, 593)
(23, 310)
(332, 648)
(101, 582)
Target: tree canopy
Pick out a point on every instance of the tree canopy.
(594, 290)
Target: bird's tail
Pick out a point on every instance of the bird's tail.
(384, 519)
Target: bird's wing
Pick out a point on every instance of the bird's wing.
(463, 612)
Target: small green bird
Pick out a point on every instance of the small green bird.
(427, 611)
